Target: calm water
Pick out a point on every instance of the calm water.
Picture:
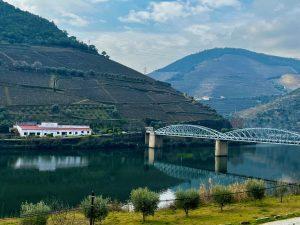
(69, 176)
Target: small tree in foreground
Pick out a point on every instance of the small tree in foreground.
(144, 201)
(222, 196)
(100, 209)
(34, 214)
(256, 189)
(187, 200)
(281, 190)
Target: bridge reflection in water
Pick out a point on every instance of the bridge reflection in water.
(154, 154)
(193, 177)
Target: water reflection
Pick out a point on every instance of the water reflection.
(50, 163)
(273, 162)
(70, 176)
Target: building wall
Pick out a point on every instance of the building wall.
(55, 133)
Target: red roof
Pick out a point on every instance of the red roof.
(36, 127)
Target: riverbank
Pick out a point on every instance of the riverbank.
(105, 141)
(132, 140)
(251, 212)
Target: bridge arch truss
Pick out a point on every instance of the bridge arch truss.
(255, 135)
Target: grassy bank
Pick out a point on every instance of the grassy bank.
(254, 212)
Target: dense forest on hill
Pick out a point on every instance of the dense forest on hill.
(17, 26)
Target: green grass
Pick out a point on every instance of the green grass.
(269, 209)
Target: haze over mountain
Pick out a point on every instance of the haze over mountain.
(283, 112)
(46, 75)
(233, 79)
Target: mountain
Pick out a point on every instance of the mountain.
(232, 79)
(284, 113)
(55, 80)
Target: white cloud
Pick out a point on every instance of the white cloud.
(221, 3)
(62, 12)
(163, 12)
(138, 49)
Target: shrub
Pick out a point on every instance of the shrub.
(222, 195)
(281, 190)
(239, 190)
(187, 200)
(100, 211)
(255, 189)
(144, 201)
(34, 214)
(55, 109)
(115, 206)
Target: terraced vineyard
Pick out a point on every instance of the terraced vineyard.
(88, 88)
(45, 75)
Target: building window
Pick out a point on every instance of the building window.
(57, 132)
(70, 132)
(25, 133)
(76, 132)
(88, 132)
(82, 132)
(38, 133)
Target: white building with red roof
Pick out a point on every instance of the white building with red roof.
(52, 129)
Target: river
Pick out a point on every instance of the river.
(68, 176)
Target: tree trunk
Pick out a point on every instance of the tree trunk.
(186, 212)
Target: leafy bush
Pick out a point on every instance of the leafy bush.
(222, 195)
(100, 211)
(55, 109)
(187, 200)
(34, 214)
(255, 189)
(144, 201)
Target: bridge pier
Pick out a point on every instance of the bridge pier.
(221, 164)
(151, 156)
(155, 141)
(147, 139)
(221, 148)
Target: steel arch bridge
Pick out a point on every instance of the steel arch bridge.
(254, 135)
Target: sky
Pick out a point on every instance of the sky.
(150, 34)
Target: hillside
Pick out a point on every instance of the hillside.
(284, 113)
(72, 85)
(17, 26)
(232, 79)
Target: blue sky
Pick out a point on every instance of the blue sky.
(153, 33)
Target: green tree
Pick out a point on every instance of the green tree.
(222, 196)
(255, 189)
(281, 190)
(34, 214)
(187, 200)
(100, 209)
(55, 109)
(144, 201)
